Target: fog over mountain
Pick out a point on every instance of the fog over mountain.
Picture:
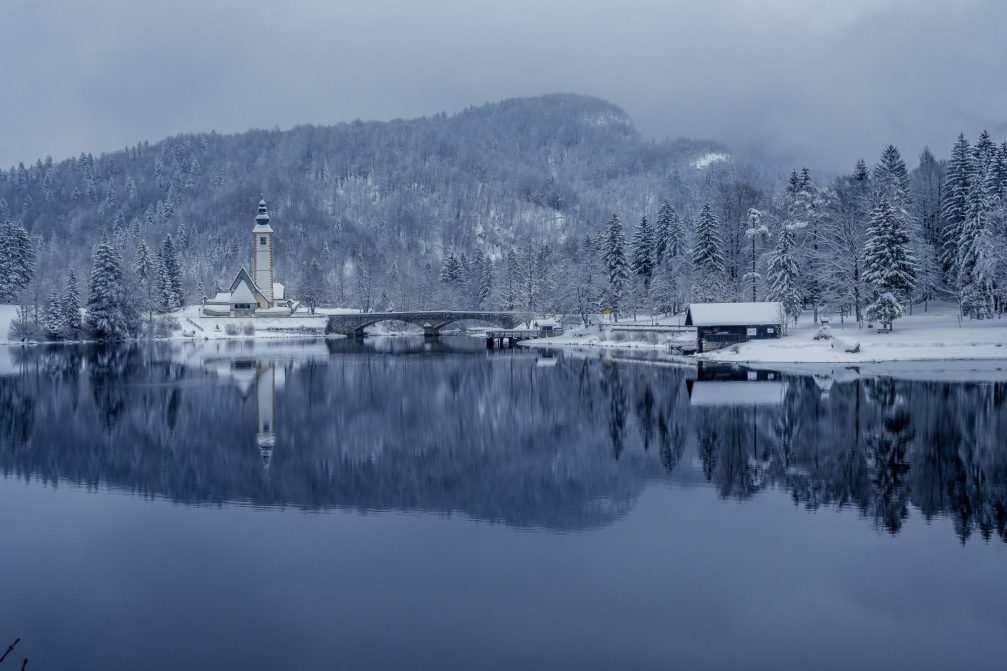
(817, 83)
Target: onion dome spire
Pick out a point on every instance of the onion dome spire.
(263, 215)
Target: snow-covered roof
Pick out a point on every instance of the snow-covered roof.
(546, 322)
(221, 297)
(262, 228)
(242, 295)
(278, 291)
(733, 314)
(737, 393)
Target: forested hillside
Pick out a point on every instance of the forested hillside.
(518, 204)
(380, 204)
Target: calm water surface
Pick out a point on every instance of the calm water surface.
(406, 505)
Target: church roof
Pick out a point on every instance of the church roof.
(244, 279)
(243, 294)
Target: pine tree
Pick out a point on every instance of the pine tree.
(891, 178)
(17, 260)
(677, 236)
(614, 257)
(784, 273)
(146, 272)
(975, 242)
(707, 252)
(954, 203)
(707, 256)
(643, 252)
(70, 306)
(662, 231)
(54, 326)
(452, 271)
(485, 284)
(110, 315)
(889, 265)
(510, 294)
(170, 277)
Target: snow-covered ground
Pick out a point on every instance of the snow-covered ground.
(193, 325)
(627, 333)
(935, 335)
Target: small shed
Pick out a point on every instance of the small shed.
(546, 325)
(723, 324)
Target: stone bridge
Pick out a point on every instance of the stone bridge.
(432, 322)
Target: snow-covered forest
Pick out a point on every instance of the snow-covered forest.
(555, 204)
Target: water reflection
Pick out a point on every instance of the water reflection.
(508, 436)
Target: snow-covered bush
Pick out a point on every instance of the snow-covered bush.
(231, 329)
(824, 332)
(248, 328)
(845, 345)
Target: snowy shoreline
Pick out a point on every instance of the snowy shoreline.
(932, 336)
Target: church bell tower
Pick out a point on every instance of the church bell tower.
(262, 252)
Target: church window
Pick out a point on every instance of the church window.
(262, 241)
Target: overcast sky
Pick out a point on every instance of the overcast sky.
(819, 82)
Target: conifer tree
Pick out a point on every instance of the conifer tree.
(784, 273)
(452, 271)
(17, 260)
(976, 242)
(110, 314)
(954, 203)
(170, 280)
(485, 283)
(53, 322)
(677, 236)
(662, 231)
(510, 295)
(614, 257)
(146, 272)
(889, 265)
(70, 306)
(643, 252)
(707, 256)
(891, 178)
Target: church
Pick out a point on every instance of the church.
(258, 294)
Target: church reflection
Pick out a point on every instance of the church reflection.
(265, 411)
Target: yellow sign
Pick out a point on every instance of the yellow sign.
(606, 311)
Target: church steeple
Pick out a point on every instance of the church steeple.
(262, 252)
(263, 216)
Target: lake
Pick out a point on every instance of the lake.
(411, 504)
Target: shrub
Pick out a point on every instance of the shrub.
(248, 328)
(24, 329)
(231, 329)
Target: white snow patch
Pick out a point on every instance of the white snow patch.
(708, 159)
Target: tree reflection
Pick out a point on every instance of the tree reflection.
(493, 436)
